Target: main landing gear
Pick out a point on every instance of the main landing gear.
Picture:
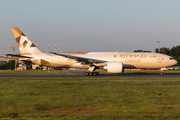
(91, 73)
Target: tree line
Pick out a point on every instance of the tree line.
(10, 65)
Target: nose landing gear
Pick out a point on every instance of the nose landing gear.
(161, 73)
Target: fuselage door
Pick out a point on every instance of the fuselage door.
(159, 59)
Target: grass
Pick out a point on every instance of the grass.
(124, 98)
(129, 72)
(34, 72)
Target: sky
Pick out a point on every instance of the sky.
(91, 25)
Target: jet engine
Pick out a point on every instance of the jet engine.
(114, 67)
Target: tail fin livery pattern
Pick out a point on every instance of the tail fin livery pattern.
(24, 44)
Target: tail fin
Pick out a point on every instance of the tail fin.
(24, 44)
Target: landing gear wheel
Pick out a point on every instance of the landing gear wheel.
(94, 73)
(86, 73)
(90, 73)
(161, 73)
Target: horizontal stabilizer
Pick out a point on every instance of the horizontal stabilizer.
(20, 56)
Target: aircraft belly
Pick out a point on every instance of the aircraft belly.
(36, 61)
(61, 62)
(79, 65)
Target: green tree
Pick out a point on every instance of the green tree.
(163, 50)
(39, 68)
(175, 51)
(140, 50)
(10, 65)
(28, 65)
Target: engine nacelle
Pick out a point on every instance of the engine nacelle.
(114, 67)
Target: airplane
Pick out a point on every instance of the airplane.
(113, 62)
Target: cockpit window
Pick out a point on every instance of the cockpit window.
(171, 58)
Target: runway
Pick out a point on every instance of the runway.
(83, 76)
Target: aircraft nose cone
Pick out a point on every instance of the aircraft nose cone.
(175, 62)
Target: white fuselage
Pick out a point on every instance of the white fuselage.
(129, 60)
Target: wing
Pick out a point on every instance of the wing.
(84, 60)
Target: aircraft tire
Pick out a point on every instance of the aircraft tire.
(97, 73)
(86, 73)
(90, 73)
(161, 73)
